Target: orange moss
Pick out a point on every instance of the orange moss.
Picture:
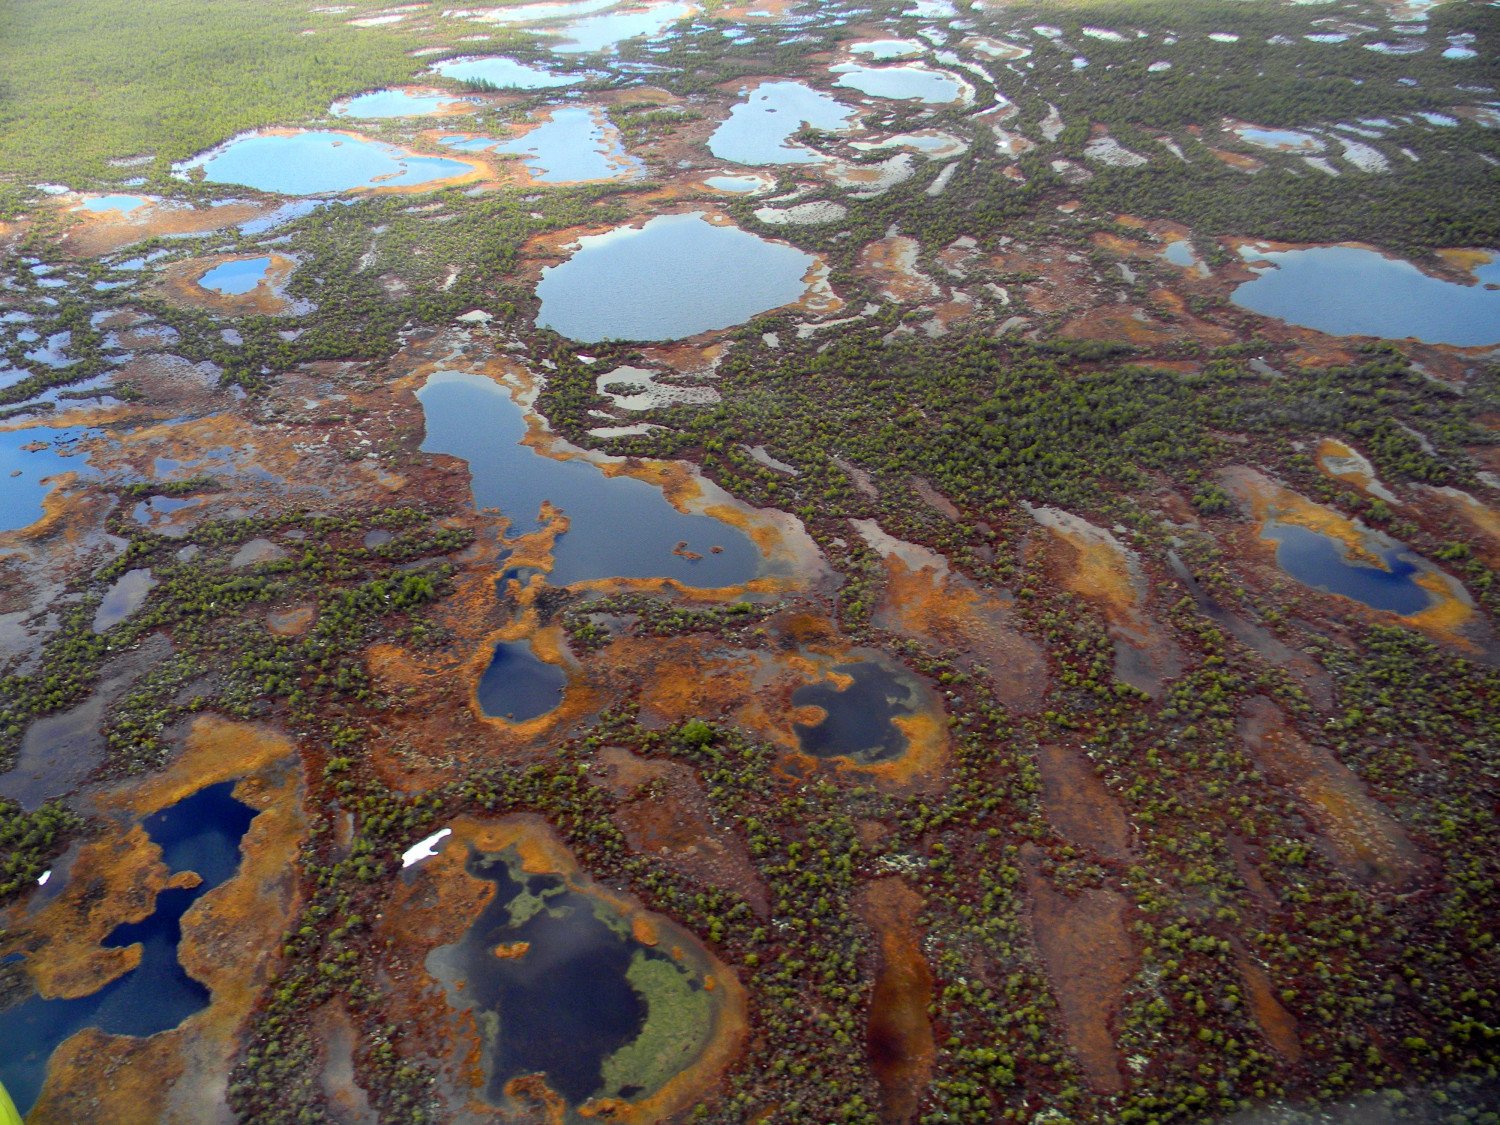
(182, 281)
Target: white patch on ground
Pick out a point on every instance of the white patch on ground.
(645, 393)
(866, 181)
(1321, 164)
(1072, 173)
(1052, 124)
(1224, 37)
(802, 214)
(1107, 150)
(760, 454)
(1011, 144)
(996, 48)
(940, 185)
(1365, 158)
(1158, 67)
(637, 429)
(424, 849)
(1104, 33)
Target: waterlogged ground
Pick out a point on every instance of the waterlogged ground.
(778, 562)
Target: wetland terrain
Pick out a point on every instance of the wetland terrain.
(890, 561)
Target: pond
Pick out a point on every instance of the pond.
(125, 595)
(503, 73)
(619, 526)
(200, 833)
(519, 686)
(28, 459)
(1352, 291)
(931, 87)
(236, 277)
(739, 185)
(397, 103)
(574, 144)
(560, 987)
(1323, 562)
(675, 276)
(858, 713)
(759, 129)
(882, 50)
(121, 203)
(315, 162)
(1285, 140)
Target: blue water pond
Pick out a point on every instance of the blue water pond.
(315, 162)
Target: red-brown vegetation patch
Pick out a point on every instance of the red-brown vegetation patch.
(1363, 838)
(666, 814)
(1080, 805)
(1085, 944)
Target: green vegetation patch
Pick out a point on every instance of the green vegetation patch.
(679, 1020)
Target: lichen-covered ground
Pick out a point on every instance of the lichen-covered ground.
(1157, 818)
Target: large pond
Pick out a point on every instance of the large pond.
(315, 162)
(759, 129)
(1351, 291)
(200, 833)
(858, 711)
(1323, 562)
(575, 143)
(517, 685)
(28, 460)
(676, 276)
(619, 527)
(931, 87)
(503, 73)
(560, 987)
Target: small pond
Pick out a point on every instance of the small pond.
(236, 277)
(396, 103)
(560, 987)
(931, 87)
(126, 595)
(676, 276)
(1322, 562)
(739, 185)
(857, 722)
(759, 129)
(882, 50)
(1351, 291)
(311, 163)
(574, 144)
(1285, 140)
(518, 686)
(619, 526)
(200, 833)
(122, 203)
(503, 73)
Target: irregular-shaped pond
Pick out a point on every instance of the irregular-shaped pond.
(200, 833)
(619, 527)
(759, 129)
(676, 276)
(561, 987)
(606, 31)
(398, 103)
(315, 162)
(518, 685)
(235, 277)
(28, 460)
(574, 144)
(931, 87)
(126, 595)
(1323, 562)
(1352, 291)
(859, 707)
